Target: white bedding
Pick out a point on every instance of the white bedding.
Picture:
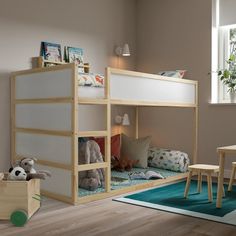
(91, 92)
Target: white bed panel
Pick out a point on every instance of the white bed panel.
(59, 183)
(92, 117)
(125, 87)
(91, 92)
(44, 147)
(44, 116)
(48, 84)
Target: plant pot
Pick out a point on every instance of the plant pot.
(232, 96)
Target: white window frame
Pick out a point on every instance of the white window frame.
(220, 53)
(223, 55)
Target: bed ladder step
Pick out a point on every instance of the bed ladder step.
(92, 166)
(93, 133)
(90, 101)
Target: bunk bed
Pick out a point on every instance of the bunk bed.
(46, 111)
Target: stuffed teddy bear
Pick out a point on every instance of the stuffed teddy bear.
(27, 163)
(17, 173)
(89, 152)
(90, 181)
(123, 163)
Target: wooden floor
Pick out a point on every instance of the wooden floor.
(107, 217)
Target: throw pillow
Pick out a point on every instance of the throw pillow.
(136, 149)
(168, 159)
(115, 145)
(175, 73)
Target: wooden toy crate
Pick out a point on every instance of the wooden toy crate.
(18, 196)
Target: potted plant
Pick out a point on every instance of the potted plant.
(228, 77)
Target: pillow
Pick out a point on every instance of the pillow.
(115, 145)
(91, 80)
(136, 149)
(168, 159)
(175, 73)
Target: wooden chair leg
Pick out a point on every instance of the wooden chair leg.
(188, 184)
(209, 183)
(232, 178)
(223, 190)
(199, 182)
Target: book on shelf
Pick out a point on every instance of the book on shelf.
(51, 51)
(73, 54)
(146, 175)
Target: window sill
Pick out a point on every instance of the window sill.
(222, 103)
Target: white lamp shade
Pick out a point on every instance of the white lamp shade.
(126, 51)
(125, 120)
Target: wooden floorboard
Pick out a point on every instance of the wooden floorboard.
(107, 217)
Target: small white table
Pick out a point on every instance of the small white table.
(222, 151)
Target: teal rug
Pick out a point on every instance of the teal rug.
(170, 198)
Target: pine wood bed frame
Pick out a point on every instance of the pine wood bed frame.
(37, 93)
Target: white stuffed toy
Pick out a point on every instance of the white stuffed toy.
(27, 163)
(17, 173)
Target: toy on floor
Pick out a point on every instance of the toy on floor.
(123, 163)
(27, 163)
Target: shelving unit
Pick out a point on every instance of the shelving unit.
(41, 62)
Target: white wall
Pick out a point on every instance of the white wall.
(96, 26)
(177, 35)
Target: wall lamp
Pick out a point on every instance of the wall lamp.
(122, 120)
(123, 51)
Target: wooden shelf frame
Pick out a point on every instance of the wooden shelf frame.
(75, 132)
(41, 62)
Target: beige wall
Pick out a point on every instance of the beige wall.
(96, 26)
(177, 35)
(170, 35)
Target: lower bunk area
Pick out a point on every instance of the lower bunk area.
(137, 178)
(134, 165)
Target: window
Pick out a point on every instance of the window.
(223, 46)
(226, 47)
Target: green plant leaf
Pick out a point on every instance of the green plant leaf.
(226, 74)
(232, 57)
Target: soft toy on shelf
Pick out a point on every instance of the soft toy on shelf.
(27, 163)
(17, 173)
(123, 163)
